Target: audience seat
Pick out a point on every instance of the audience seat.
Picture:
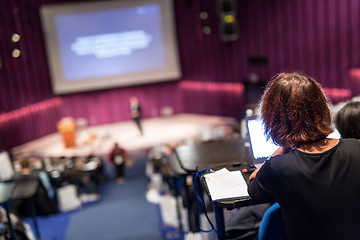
(272, 224)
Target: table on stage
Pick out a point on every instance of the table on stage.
(231, 154)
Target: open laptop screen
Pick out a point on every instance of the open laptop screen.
(260, 147)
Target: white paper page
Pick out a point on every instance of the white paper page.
(224, 184)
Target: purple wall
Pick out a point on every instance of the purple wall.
(319, 37)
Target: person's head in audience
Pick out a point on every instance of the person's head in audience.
(295, 110)
(347, 120)
(171, 146)
(25, 166)
(35, 162)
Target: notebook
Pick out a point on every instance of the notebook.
(224, 184)
(260, 147)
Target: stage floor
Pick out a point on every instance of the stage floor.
(98, 140)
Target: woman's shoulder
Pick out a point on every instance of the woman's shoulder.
(351, 140)
(280, 157)
(280, 161)
(350, 143)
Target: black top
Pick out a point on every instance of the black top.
(319, 194)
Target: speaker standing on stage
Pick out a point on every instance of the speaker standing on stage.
(135, 110)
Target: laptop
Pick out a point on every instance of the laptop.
(262, 148)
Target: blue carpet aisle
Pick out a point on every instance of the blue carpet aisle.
(51, 227)
(123, 213)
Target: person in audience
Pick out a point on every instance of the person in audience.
(118, 156)
(84, 178)
(25, 168)
(347, 120)
(98, 176)
(315, 179)
(136, 111)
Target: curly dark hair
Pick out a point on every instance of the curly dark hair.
(295, 110)
(347, 120)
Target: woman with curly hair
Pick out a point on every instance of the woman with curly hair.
(315, 179)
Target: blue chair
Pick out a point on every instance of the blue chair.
(272, 224)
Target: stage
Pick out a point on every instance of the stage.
(98, 140)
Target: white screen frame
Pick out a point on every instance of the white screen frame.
(171, 72)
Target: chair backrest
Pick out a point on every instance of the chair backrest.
(272, 224)
(6, 189)
(25, 186)
(6, 170)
